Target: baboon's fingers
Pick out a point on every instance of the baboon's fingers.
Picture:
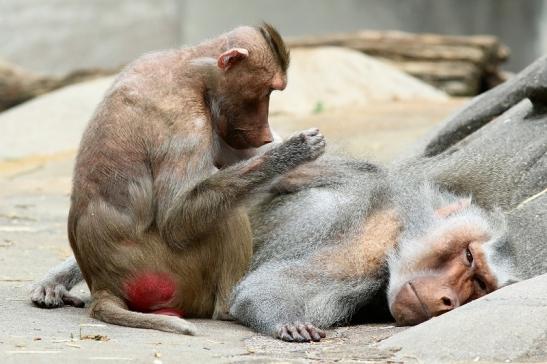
(293, 330)
(284, 334)
(303, 331)
(300, 333)
(52, 295)
(38, 295)
(71, 300)
(316, 334)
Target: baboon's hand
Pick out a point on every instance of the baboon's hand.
(50, 294)
(309, 144)
(300, 333)
(302, 147)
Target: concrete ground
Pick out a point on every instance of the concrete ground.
(34, 200)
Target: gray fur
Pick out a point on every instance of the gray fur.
(286, 286)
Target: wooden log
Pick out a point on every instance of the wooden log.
(18, 85)
(455, 78)
(414, 46)
(459, 65)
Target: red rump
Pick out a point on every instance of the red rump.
(151, 292)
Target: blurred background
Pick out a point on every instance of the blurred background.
(56, 36)
(388, 69)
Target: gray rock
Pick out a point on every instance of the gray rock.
(51, 123)
(527, 228)
(330, 78)
(509, 324)
(496, 149)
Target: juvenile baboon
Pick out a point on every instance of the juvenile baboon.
(328, 243)
(156, 222)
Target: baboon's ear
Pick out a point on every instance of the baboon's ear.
(231, 57)
(454, 207)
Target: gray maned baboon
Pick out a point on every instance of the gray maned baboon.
(337, 234)
(494, 149)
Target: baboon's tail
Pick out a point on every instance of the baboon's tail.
(109, 308)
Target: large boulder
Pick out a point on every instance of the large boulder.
(327, 78)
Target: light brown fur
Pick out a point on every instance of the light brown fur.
(447, 244)
(367, 251)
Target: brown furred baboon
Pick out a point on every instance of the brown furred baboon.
(156, 220)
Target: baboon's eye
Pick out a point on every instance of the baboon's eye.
(468, 255)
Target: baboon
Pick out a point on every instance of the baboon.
(402, 235)
(328, 243)
(156, 221)
(494, 149)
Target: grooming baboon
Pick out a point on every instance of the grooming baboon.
(156, 222)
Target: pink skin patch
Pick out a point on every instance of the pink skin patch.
(169, 312)
(149, 291)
